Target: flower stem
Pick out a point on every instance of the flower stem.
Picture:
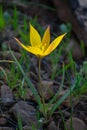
(40, 89)
(71, 121)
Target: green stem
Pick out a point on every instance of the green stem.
(71, 123)
(40, 89)
(60, 111)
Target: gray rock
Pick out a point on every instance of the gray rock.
(6, 95)
(52, 126)
(75, 49)
(3, 121)
(7, 55)
(47, 89)
(12, 44)
(77, 124)
(6, 128)
(27, 128)
(25, 112)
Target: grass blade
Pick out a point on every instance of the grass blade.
(33, 89)
(60, 101)
(61, 86)
(3, 72)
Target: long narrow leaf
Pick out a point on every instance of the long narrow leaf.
(61, 86)
(60, 101)
(7, 61)
(3, 72)
(33, 89)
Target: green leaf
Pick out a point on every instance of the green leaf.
(33, 89)
(2, 20)
(61, 100)
(61, 86)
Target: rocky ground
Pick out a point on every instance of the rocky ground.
(20, 112)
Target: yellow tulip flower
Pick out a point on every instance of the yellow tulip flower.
(41, 47)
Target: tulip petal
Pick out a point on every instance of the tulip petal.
(53, 45)
(46, 37)
(35, 38)
(34, 50)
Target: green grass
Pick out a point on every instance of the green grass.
(24, 31)
(15, 18)
(20, 126)
(2, 20)
(54, 58)
(81, 89)
(3, 73)
(13, 77)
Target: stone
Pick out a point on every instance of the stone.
(25, 112)
(6, 128)
(65, 14)
(7, 55)
(27, 128)
(66, 102)
(77, 124)
(47, 89)
(29, 94)
(75, 49)
(12, 43)
(52, 126)
(3, 121)
(6, 95)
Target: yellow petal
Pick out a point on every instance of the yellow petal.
(46, 37)
(34, 50)
(53, 45)
(35, 38)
